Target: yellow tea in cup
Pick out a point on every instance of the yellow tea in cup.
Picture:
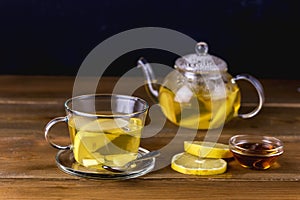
(112, 142)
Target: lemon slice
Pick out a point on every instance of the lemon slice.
(186, 163)
(93, 136)
(121, 159)
(207, 149)
(85, 143)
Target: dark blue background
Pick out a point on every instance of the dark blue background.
(52, 37)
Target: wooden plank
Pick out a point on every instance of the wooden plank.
(286, 119)
(23, 147)
(51, 87)
(150, 189)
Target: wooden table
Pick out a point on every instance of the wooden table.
(28, 169)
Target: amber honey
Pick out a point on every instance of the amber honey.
(256, 153)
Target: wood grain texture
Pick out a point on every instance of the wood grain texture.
(28, 169)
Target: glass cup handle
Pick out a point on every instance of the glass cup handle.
(257, 85)
(49, 126)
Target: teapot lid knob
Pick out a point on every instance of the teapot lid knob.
(201, 61)
(201, 48)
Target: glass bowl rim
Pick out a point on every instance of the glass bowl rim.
(258, 139)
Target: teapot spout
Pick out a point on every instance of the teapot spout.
(149, 75)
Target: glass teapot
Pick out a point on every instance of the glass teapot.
(200, 93)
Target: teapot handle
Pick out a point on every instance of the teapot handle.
(257, 85)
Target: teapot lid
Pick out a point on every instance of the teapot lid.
(201, 61)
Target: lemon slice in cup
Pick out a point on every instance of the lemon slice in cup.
(93, 136)
(186, 163)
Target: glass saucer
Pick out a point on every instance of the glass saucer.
(66, 162)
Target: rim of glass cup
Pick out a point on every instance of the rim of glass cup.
(255, 138)
(86, 114)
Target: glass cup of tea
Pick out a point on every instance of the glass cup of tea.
(104, 129)
(255, 152)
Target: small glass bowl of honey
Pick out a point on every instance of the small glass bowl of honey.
(255, 152)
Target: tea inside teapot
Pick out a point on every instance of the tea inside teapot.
(198, 105)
